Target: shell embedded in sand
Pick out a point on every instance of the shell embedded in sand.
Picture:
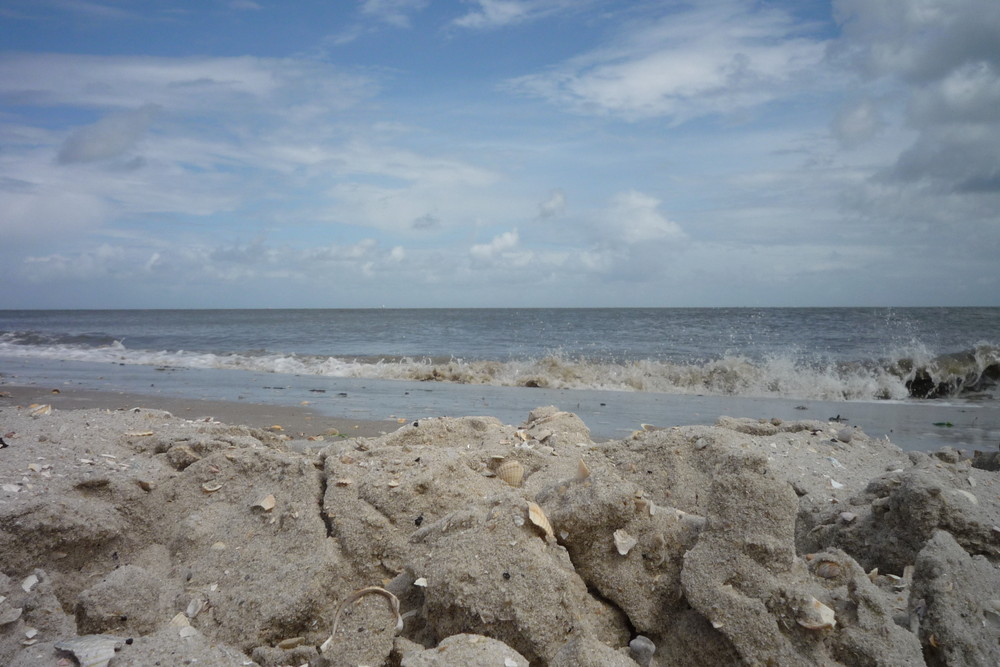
(816, 616)
(92, 650)
(624, 542)
(828, 569)
(211, 487)
(582, 471)
(36, 410)
(266, 503)
(511, 472)
(537, 517)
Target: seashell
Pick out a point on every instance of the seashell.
(344, 481)
(291, 642)
(522, 435)
(30, 633)
(511, 472)
(180, 620)
(582, 471)
(624, 542)
(848, 517)
(29, 583)
(276, 428)
(211, 487)
(195, 607)
(828, 569)
(10, 615)
(422, 582)
(393, 483)
(92, 650)
(266, 503)
(816, 616)
(36, 410)
(218, 546)
(139, 434)
(537, 517)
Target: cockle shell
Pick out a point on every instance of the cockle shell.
(92, 650)
(511, 472)
(828, 569)
(624, 542)
(537, 517)
(816, 616)
(266, 503)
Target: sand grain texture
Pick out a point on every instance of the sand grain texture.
(748, 542)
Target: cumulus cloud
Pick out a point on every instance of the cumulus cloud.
(942, 60)
(714, 58)
(497, 246)
(553, 205)
(109, 137)
(635, 217)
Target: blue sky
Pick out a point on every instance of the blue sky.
(418, 153)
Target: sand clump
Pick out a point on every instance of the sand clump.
(465, 541)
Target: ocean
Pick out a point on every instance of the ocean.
(616, 367)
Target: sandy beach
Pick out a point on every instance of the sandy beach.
(136, 531)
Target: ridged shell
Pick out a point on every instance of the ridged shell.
(816, 616)
(537, 517)
(36, 410)
(511, 472)
(624, 542)
(267, 503)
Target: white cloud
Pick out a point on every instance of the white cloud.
(393, 12)
(495, 14)
(857, 123)
(499, 245)
(109, 137)
(715, 58)
(553, 205)
(635, 217)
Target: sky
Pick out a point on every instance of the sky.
(499, 153)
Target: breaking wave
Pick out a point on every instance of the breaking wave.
(973, 373)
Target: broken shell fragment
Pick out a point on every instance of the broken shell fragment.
(582, 471)
(421, 581)
(37, 411)
(92, 650)
(511, 472)
(29, 583)
(828, 569)
(624, 542)
(211, 487)
(266, 503)
(10, 615)
(816, 616)
(344, 481)
(291, 642)
(537, 517)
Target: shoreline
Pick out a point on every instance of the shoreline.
(297, 422)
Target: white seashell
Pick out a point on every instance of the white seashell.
(816, 616)
(29, 583)
(180, 620)
(266, 503)
(30, 633)
(511, 472)
(582, 471)
(537, 517)
(422, 582)
(10, 615)
(37, 411)
(195, 607)
(624, 542)
(211, 487)
(92, 650)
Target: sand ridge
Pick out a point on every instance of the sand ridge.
(157, 538)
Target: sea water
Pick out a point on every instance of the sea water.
(895, 367)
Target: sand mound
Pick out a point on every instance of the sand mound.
(147, 538)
